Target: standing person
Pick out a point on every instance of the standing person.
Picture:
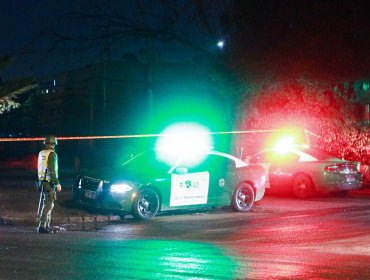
(47, 167)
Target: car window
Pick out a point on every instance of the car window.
(320, 154)
(259, 158)
(274, 157)
(287, 157)
(213, 163)
(146, 160)
(262, 157)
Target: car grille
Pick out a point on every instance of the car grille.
(90, 184)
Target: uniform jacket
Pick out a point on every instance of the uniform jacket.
(48, 159)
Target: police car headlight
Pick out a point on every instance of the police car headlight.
(120, 188)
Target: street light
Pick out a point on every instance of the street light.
(220, 44)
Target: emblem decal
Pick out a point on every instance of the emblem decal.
(188, 184)
(189, 189)
(221, 182)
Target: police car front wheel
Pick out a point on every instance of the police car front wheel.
(243, 198)
(145, 205)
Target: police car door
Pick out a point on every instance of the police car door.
(219, 178)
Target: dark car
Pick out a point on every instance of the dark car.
(306, 170)
(145, 185)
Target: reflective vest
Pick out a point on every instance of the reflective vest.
(42, 165)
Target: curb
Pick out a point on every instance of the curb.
(12, 213)
(72, 223)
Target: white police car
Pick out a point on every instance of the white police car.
(145, 184)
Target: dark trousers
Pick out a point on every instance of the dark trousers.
(47, 205)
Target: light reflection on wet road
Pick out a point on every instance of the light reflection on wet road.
(268, 243)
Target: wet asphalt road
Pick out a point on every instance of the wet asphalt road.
(282, 238)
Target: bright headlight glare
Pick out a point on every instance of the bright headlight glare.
(120, 188)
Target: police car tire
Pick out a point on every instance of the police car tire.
(139, 203)
(302, 186)
(243, 198)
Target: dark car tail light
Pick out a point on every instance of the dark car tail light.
(341, 167)
(331, 168)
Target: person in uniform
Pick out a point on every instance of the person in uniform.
(47, 167)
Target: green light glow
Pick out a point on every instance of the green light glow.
(365, 86)
(187, 141)
(158, 259)
(188, 103)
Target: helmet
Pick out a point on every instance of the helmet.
(50, 139)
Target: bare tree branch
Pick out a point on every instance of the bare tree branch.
(181, 22)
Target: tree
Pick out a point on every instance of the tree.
(9, 101)
(179, 31)
(307, 63)
(6, 102)
(176, 25)
(330, 112)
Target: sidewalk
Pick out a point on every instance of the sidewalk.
(19, 202)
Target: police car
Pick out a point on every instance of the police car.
(144, 184)
(304, 171)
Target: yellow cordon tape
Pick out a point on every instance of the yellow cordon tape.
(138, 135)
(77, 137)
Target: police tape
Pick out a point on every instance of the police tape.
(61, 138)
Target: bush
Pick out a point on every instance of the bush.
(330, 112)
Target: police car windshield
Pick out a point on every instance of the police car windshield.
(132, 158)
(145, 160)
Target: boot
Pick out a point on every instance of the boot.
(44, 230)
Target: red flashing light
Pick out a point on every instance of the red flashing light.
(331, 168)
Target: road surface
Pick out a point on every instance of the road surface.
(282, 238)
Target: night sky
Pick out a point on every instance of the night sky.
(24, 25)
(44, 37)
(32, 33)
(329, 39)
